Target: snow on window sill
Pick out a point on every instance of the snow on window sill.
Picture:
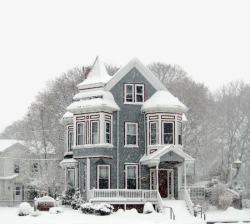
(106, 145)
(131, 146)
(135, 103)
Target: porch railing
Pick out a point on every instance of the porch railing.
(127, 194)
(188, 200)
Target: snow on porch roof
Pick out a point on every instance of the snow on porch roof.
(155, 156)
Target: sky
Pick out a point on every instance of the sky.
(40, 40)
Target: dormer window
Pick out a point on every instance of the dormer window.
(133, 93)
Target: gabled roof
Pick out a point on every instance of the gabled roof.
(141, 68)
(97, 75)
(163, 101)
(155, 156)
(6, 144)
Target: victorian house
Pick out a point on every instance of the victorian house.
(123, 138)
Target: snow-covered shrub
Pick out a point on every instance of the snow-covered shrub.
(225, 201)
(203, 203)
(55, 210)
(246, 203)
(103, 209)
(148, 208)
(216, 192)
(24, 209)
(77, 200)
(100, 209)
(67, 196)
(87, 208)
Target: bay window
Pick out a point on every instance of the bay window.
(71, 177)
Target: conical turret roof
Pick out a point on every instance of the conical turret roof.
(97, 75)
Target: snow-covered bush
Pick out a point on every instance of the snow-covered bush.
(203, 203)
(55, 210)
(35, 213)
(221, 197)
(100, 209)
(24, 209)
(87, 208)
(67, 196)
(225, 201)
(148, 208)
(77, 200)
(246, 203)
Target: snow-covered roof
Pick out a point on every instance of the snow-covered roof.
(67, 118)
(68, 163)
(93, 101)
(9, 177)
(98, 74)
(155, 156)
(135, 62)
(6, 143)
(163, 101)
(46, 198)
(38, 147)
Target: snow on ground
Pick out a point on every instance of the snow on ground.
(8, 215)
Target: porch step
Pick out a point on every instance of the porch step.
(179, 207)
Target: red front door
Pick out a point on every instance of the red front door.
(163, 183)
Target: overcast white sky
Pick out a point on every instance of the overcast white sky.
(42, 39)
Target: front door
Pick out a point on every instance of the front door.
(166, 183)
(18, 192)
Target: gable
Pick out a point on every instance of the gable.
(135, 63)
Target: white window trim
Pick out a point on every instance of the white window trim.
(137, 134)
(134, 93)
(137, 175)
(83, 134)
(162, 132)
(98, 166)
(157, 133)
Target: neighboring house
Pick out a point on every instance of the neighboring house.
(123, 138)
(20, 168)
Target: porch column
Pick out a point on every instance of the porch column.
(157, 177)
(185, 175)
(88, 177)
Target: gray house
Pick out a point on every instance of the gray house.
(123, 138)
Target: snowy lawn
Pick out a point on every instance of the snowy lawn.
(8, 215)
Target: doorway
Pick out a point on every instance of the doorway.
(165, 182)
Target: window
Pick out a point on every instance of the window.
(103, 177)
(107, 132)
(179, 133)
(153, 133)
(71, 177)
(131, 177)
(35, 168)
(167, 133)
(80, 134)
(16, 169)
(71, 140)
(134, 93)
(94, 133)
(131, 134)
(18, 190)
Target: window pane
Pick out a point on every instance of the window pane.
(139, 89)
(108, 132)
(131, 140)
(16, 169)
(80, 134)
(103, 172)
(139, 98)
(129, 97)
(168, 138)
(131, 177)
(179, 133)
(168, 128)
(131, 129)
(153, 135)
(129, 89)
(71, 178)
(71, 139)
(94, 133)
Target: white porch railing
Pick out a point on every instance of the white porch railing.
(127, 194)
